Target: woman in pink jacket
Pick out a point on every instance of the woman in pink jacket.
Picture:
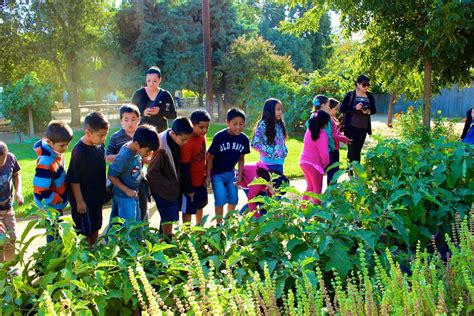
(315, 156)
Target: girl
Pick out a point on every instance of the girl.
(315, 156)
(270, 136)
(337, 136)
(468, 131)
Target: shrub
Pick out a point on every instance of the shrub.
(26, 93)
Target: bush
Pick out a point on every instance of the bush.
(26, 93)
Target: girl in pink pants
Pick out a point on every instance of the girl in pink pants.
(315, 155)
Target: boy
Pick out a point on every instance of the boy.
(129, 119)
(86, 177)
(193, 168)
(49, 185)
(163, 172)
(228, 148)
(125, 171)
(9, 178)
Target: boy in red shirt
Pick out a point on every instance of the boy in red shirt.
(193, 168)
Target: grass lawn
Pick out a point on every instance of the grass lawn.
(27, 160)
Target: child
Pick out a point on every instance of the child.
(468, 131)
(163, 172)
(9, 179)
(193, 168)
(129, 119)
(255, 171)
(86, 177)
(270, 135)
(315, 156)
(337, 136)
(49, 185)
(125, 171)
(228, 148)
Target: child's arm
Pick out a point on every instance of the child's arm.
(110, 158)
(111, 151)
(119, 184)
(337, 135)
(240, 168)
(17, 185)
(81, 204)
(258, 139)
(42, 181)
(210, 160)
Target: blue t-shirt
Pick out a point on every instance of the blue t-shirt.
(10, 167)
(117, 140)
(227, 149)
(127, 166)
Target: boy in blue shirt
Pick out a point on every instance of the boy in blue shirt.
(228, 148)
(125, 171)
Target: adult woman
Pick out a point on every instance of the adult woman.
(468, 131)
(358, 106)
(156, 105)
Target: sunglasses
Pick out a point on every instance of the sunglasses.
(365, 84)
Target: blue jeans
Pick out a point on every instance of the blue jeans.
(275, 168)
(128, 208)
(224, 189)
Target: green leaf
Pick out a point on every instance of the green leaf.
(397, 223)
(339, 258)
(234, 258)
(367, 236)
(271, 225)
(160, 257)
(47, 279)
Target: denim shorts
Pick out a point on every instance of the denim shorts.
(224, 189)
(128, 208)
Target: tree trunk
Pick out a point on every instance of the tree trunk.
(427, 94)
(393, 96)
(201, 100)
(72, 75)
(228, 94)
(31, 125)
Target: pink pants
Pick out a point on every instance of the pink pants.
(314, 181)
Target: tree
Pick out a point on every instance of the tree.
(434, 38)
(60, 32)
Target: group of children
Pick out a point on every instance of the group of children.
(179, 167)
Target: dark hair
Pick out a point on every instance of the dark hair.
(3, 148)
(362, 79)
(58, 131)
(182, 125)
(268, 116)
(200, 116)
(318, 100)
(154, 70)
(146, 136)
(95, 122)
(269, 175)
(235, 112)
(317, 123)
(468, 123)
(129, 108)
(333, 103)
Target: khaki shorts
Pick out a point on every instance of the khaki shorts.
(8, 223)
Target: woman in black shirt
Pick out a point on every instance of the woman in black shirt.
(156, 105)
(358, 106)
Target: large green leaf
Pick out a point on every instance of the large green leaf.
(339, 258)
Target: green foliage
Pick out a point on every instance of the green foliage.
(410, 127)
(27, 93)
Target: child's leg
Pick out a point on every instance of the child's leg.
(127, 208)
(169, 213)
(9, 223)
(220, 196)
(199, 214)
(92, 238)
(308, 174)
(167, 229)
(143, 197)
(232, 192)
(186, 218)
(318, 185)
(334, 157)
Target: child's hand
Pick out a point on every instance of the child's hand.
(207, 182)
(131, 193)
(81, 207)
(238, 179)
(19, 198)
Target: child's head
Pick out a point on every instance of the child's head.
(334, 106)
(3, 153)
(96, 127)
(129, 117)
(200, 120)
(272, 115)
(182, 130)
(146, 137)
(58, 136)
(320, 102)
(317, 123)
(235, 121)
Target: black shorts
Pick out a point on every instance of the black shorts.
(88, 222)
(198, 202)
